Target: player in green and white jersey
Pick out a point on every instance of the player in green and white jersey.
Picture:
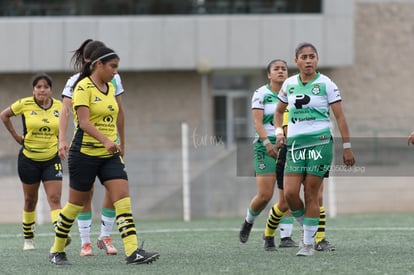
(310, 96)
(264, 102)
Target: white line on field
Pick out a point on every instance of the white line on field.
(189, 230)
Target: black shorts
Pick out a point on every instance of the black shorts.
(33, 171)
(280, 167)
(83, 170)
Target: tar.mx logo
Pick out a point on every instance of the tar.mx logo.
(305, 153)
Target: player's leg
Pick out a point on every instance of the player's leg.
(30, 193)
(265, 169)
(321, 243)
(84, 226)
(107, 221)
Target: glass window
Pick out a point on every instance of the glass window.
(154, 7)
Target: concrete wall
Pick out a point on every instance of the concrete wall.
(158, 43)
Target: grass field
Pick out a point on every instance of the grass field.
(366, 244)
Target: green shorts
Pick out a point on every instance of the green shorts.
(315, 160)
(263, 162)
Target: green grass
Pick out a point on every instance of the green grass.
(366, 244)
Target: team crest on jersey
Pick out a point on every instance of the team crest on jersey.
(291, 90)
(316, 89)
(97, 99)
(56, 113)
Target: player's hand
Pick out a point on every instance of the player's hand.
(280, 141)
(112, 147)
(348, 157)
(411, 139)
(271, 150)
(63, 150)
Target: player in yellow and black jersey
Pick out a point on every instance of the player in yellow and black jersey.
(38, 160)
(94, 152)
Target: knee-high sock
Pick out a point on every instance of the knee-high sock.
(66, 219)
(320, 235)
(107, 221)
(310, 226)
(286, 227)
(84, 226)
(29, 220)
(251, 215)
(298, 214)
(54, 216)
(126, 226)
(275, 215)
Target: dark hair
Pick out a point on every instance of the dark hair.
(84, 51)
(40, 76)
(273, 61)
(304, 45)
(102, 54)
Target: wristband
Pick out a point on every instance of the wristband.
(279, 131)
(346, 145)
(266, 142)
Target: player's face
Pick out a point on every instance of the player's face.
(307, 61)
(278, 72)
(109, 69)
(42, 91)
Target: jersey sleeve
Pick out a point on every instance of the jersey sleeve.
(333, 92)
(119, 89)
(17, 107)
(257, 100)
(81, 95)
(282, 93)
(68, 90)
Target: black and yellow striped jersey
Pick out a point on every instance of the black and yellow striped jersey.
(40, 127)
(103, 114)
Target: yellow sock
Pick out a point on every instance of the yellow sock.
(29, 220)
(126, 226)
(54, 215)
(320, 235)
(275, 215)
(65, 221)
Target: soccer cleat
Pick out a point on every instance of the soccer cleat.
(269, 243)
(306, 250)
(86, 250)
(58, 258)
(287, 242)
(140, 256)
(106, 244)
(324, 245)
(245, 231)
(28, 244)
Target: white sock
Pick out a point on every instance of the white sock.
(106, 226)
(85, 230)
(309, 232)
(251, 215)
(285, 230)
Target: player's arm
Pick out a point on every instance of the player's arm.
(5, 117)
(348, 155)
(63, 125)
(120, 124)
(278, 123)
(258, 125)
